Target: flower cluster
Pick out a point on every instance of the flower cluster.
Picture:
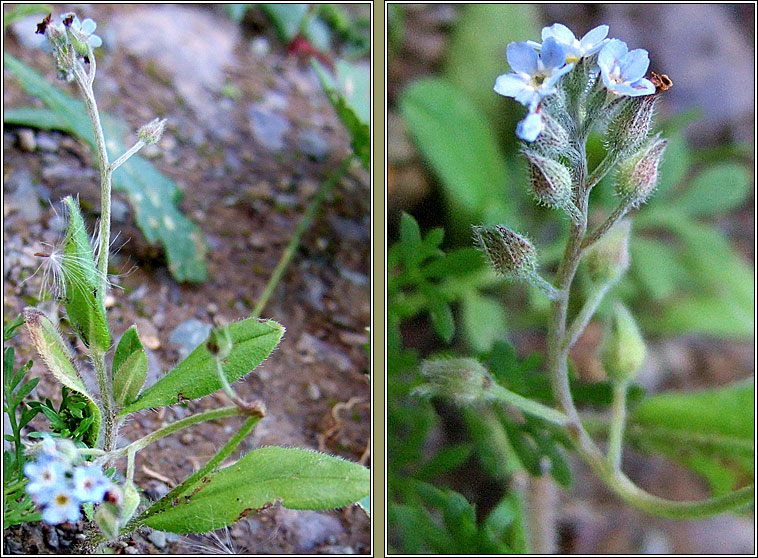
(69, 40)
(538, 68)
(59, 485)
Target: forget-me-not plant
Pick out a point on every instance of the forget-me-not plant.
(573, 87)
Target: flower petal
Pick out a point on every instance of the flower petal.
(547, 86)
(534, 44)
(634, 65)
(559, 32)
(642, 87)
(530, 127)
(95, 41)
(612, 51)
(509, 85)
(89, 26)
(553, 55)
(522, 58)
(594, 36)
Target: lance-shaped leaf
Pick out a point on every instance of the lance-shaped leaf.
(299, 479)
(84, 301)
(129, 367)
(196, 376)
(59, 360)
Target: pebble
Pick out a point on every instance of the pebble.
(309, 528)
(158, 538)
(260, 46)
(26, 140)
(187, 439)
(46, 142)
(119, 210)
(188, 335)
(312, 143)
(268, 127)
(131, 550)
(139, 292)
(51, 538)
(109, 301)
(212, 308)
(316, 350)
(313, 392)
(148, 334)
(24, 198)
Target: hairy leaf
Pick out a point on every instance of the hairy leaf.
(299, 479)
(129, 367)
(197, 375)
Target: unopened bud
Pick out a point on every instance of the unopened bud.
(152, 131)
(107, 518)
(608, 259)
(624, 349)
(551, 183)
(554, 138)
(464, 380)
(631, 126)
(509, 253)
(638, 175)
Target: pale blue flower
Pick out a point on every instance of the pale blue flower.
(90, 484)
(535, 74)
(623, 71)
(531, 126)
(44, 476)
(61, 506)
(575, 49)
(87, 28)
(84, 28)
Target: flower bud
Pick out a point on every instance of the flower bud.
(464, 380)
(631, 126)
(608, 259)
(638, 175)
(554, 138)
(510, 254)
(152, 131)
(551, 183)
(624, 349)
(107, 518)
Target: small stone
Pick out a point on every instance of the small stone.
(46, 142)
(260, 46)
(313, 392)
(188, 335)
(268, 127)
(148, 334)
(119, 210)
(313, 144)
(109, 301)
(158, 538)
(138, 293)
(187, 439)
(51, 538)
(212, 308)
(131, 550)
(26, 140)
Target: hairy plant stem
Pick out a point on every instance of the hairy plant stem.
(125, 157)
(558, 345)
(585, 314)
(302, 226)
(618, 422)
(618, 214)
(106, 397)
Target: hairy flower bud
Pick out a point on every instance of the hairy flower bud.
(638, 175)
(152, 131)
(624, 349)
(608, 259)
(554, 138)
(551, 183)
(464, 380)
(631, 126)
(510, 254)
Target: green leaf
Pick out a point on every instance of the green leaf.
(299, 479)
(10, 328)
(484, 321)
(84, 298)
(719, 188)
(442, 318)
(59, 360)
(43, 119)
(288, 20)
(236, 12)
(459, 143)
(129, 367)
(673, 168)
(710, 431)
(448, 459)
(657, 266)
(350, 94)
(197, 376)
(153, 195)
